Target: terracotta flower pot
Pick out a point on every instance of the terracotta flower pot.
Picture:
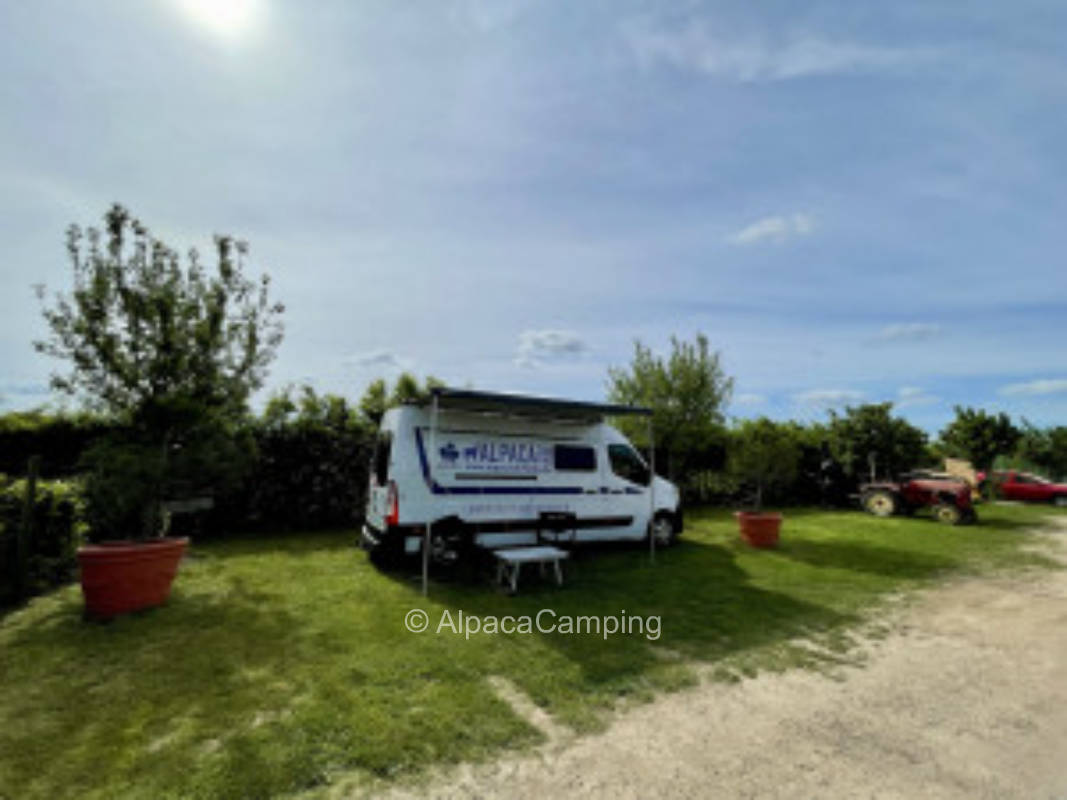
(119, 577)
(759, 529)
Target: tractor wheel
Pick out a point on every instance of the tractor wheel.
(881, 503)
(948, 513)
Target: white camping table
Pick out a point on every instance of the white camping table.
(510, 560)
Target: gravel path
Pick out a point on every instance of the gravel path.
(967, 700)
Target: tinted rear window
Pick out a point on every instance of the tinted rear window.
(574, 458)
(382, 448)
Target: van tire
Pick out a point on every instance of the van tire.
(450, 543)
(664, 529)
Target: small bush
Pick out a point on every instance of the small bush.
(57, 529)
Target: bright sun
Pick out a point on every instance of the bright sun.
(227, 18)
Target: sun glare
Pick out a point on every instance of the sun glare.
(230, 19)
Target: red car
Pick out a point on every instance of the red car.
(1013, 485)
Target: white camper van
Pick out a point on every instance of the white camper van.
(480, 469)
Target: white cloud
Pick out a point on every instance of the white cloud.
(913, 396)
(776, 229)
(1041, 387)
(534, 346)
(750, 399)
(377, 359)
(828, 397)
(694, 47)
(909, 332)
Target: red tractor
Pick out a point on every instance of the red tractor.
(949, 498)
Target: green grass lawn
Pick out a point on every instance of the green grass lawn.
(283, 663)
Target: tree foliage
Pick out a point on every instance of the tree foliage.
(871, 430)
(765, 454)
(979, 436)
(141, 333)
(1043, 449)
(378, 398)
(171, 352)
(686, 392)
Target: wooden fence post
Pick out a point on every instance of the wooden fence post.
(25, 533)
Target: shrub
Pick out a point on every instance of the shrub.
(765, 454)
(310, 468)
(57, 529)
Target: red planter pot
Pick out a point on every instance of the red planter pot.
(759, 530)
(119, 577)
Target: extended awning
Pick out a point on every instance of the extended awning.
(529, 406)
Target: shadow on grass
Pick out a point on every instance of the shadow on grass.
(866, 558)
(707, 607)
(287, 543)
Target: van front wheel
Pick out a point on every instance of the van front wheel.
(662, 528)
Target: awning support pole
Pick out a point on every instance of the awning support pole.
(651, 491)
(429, 523)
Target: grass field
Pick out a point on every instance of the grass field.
(283, 663)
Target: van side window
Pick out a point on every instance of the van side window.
(575, 459)
(627, 464)
(383, 446)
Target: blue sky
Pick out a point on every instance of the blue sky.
(855, 203)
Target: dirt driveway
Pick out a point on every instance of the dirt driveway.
(967, 700)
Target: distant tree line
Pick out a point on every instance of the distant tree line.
(712, 458)
(163, 353)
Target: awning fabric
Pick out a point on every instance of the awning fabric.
(529, 406)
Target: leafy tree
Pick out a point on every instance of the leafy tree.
(171, 353)
(1044, 448)
(407, 389)
(686, 393)
(979, 436)
(766, 454)
(378, 398)
(870, 429)
(375, 401)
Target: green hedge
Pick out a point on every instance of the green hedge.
(57, 529)
(306, 477)
(59, 439)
